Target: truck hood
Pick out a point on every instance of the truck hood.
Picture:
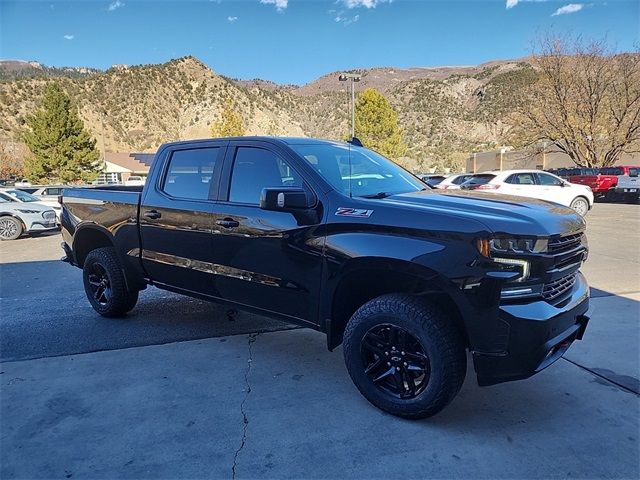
(504, 214)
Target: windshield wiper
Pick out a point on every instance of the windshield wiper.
(377, 195)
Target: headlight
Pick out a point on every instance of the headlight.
(26, 210)
(521, 265)
(518, 245)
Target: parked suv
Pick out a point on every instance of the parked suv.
(337, 238)
(17, 218)
(534, 184)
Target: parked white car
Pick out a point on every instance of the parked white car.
(453, 182)
(17, 195)
(17, 218)
(135, 180)
(534, 184)
(22, 183)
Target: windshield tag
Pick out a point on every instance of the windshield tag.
(353, 212)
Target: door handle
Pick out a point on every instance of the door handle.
(152, 214)
(227, 223)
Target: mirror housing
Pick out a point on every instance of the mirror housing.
(285, 199)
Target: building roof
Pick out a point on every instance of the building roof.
(134, 162)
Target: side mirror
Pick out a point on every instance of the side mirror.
(285, 198)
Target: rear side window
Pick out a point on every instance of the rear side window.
(480, 179)
(461, 179)
(611, 171)
(522, 179)
(190, 172)
(53, 191)
(255, 169)
(633, 172)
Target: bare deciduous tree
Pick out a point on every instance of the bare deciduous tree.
(586, 102)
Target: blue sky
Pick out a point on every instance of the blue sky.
(295, 41)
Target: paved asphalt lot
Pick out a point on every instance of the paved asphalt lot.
(180, 388)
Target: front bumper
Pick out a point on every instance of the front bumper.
(538, 335)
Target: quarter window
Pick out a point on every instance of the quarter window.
(523, 179)
(255, 169)
(190, 172)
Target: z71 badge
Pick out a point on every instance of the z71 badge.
(353, 212)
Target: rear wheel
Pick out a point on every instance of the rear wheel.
(104, 284)
(580, 205)
(404, 355)
(10, 228)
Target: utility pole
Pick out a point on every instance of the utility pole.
(354, 77)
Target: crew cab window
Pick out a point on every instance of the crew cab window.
(549, 180)
(255, 169)
(521, 179)
(53, 191)
(190, 172)
(611, 171)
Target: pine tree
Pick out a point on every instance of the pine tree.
(230, 123)
(377, 125)
(63, 151)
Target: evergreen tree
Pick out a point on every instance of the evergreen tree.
(377, 125)
(230, 123)
(63, 151)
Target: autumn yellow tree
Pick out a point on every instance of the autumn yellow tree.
(377, 124)
(231, 123)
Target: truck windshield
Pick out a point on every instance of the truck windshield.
(357, 171)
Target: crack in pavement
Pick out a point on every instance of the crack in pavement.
(245, 419)
(599, 373)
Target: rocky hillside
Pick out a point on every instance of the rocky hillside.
(446, 112)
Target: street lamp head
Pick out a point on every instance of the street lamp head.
(342, 78)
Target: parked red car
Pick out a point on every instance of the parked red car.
(603, 181)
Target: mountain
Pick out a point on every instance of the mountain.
(446, 112)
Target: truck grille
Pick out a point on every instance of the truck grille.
(564, 244)
(553, 290)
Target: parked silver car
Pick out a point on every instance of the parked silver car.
(17, 218)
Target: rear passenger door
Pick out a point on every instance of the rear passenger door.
(176, 217)
(522, 184)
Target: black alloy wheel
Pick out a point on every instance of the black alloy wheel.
(99, 284)
(395, 361)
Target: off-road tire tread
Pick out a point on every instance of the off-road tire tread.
(435, 324)
(122, 299)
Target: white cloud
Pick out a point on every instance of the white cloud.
(364, 3)
(279, 4)
(348, 20)
(513, 3)
(115, 5)
(569, 8)
(68, 37)
(232, 19)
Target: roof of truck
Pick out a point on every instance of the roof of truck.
(285, 140)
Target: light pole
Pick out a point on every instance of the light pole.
(354, 77)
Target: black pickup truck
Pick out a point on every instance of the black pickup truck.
(337, 238)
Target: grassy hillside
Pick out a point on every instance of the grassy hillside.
(445, 112)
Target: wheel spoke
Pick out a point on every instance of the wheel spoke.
(384, 375)
(374, 366)
(372, 347)
(410, 382)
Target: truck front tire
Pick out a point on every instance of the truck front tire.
(404, 355)
(105, 285)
